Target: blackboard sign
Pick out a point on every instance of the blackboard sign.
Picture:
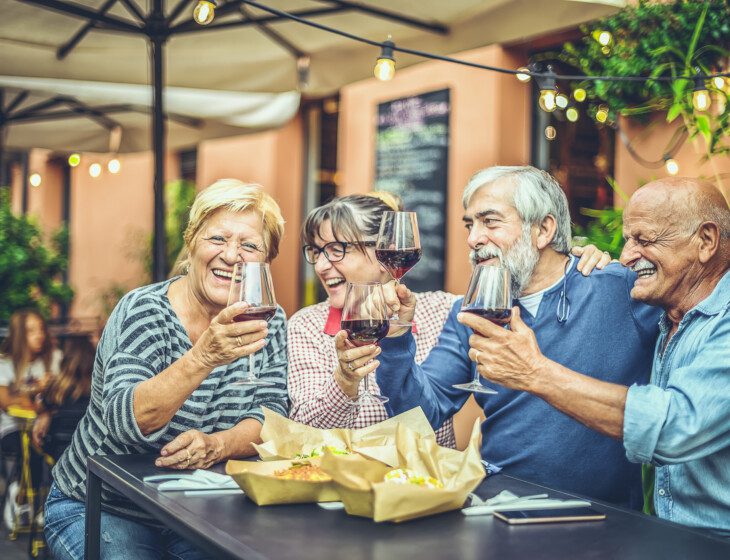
(412, 149)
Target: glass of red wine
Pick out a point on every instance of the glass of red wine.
(252, 283)
(489, 296)
(365, 318)
(398, 247)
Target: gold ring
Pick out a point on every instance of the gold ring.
(349, 365)
(240, 342)
(476, 357)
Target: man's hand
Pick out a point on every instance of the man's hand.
(590, 258)
(400, 300)
(509, 357)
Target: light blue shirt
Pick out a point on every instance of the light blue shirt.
(681, 421)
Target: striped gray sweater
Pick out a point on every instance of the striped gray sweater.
(141, 339)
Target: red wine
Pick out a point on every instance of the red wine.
(496, 316)
(398, 261)
(366, 331)
(263, 313)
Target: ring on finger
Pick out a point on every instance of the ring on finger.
(350, 366)
(239, 340)
(476, 356)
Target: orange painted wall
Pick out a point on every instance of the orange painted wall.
(650, 143)
(274, 159)
(489, 125)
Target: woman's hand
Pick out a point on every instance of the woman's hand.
(226, 340)
(590, 258)
(40, 428)
(192, 450)
(354, 363)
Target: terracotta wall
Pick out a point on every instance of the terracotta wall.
(274, 159)
(650, 143)
(489, 125)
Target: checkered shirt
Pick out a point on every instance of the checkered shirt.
(317, 399)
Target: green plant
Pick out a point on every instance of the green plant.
(606, 230)
(31, 271)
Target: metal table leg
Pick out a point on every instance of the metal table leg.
(93, 516)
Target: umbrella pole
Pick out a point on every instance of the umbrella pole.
(159, 251)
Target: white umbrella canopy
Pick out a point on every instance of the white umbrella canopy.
(245, 58)
(193, 114)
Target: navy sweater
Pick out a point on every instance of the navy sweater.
(606, 335)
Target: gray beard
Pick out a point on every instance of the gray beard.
(520, 259)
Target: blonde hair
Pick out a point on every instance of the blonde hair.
(235, 196)
(15, 345)
(74, 379)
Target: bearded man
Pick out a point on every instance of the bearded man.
(677, 233)
(519, 215)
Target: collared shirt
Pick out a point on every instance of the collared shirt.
(316, 398)
(681, 421)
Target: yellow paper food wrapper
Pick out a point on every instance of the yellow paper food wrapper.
(286, 439)
(257, 480)
(359, 480)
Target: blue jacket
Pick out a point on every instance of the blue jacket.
(606, 335)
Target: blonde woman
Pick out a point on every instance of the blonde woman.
(163, 376)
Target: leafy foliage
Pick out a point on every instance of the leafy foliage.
(606, 230)
(30, 271)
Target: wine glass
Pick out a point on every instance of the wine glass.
(365, 318)
(398, 247)
(251, 282)
(489, 296)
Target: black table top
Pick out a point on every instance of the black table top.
(231, 526)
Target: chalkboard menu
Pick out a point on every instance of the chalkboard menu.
(412, 149)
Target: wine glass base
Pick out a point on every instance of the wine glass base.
(364, 398)
(254, 382)
(475, 388)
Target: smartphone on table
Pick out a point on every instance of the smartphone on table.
(526, 517)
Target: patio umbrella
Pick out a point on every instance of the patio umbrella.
(248, 48)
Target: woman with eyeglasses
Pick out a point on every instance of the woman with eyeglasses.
(164, 374)
(339, 240)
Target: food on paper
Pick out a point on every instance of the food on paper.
(303, 471)
(407, 476)
(319, 452)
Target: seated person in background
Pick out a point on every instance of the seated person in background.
(339, 240)
(677, 235)
(164, 372)
(27, 361)
(519, 216)
(65, 398)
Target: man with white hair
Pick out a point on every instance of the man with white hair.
(677, 233)
(520, 216)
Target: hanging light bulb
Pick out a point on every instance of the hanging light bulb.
(718, 82)
(522, 76)
(602, 114)
(700, 96)
(603, 38)
(204, 11)
(74, 160)
(114, 166)
(548, 90)
(550, 132)
(579, 94)
(385, 66)
(35, 180)
(95, 170)
(561, 100)
(572, 114)
(671, 165)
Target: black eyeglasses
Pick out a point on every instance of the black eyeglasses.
(333, 251)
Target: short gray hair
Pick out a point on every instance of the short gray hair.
(537, 195)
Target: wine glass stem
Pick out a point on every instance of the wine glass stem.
(251, 374)
(366, 384)
(476, 377)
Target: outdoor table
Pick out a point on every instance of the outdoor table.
(233, 527)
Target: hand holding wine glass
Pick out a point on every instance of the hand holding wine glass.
(365, 319)
(489, 296)
(252, 283)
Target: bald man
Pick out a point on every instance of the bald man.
(677, 234)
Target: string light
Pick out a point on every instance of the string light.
(550, 132)
(204, 11)
(572, 114)
(114, 166)
(602, 114)
(700, 96)
(74, 160)
(521, 76)
(718, 82)
(671, 165)
(385, 65)
(579, 94)
(561, 100)
(35, 180)
(548, 90)
(95, 170)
